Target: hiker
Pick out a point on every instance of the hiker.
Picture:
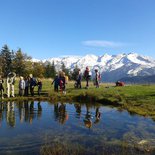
(63, 82)
(97, 78)
(26, 92)
(33, 83)
(56, 83)
(78, 79)
(39, 86)
(10, 81)
(1, 87)
(87, 76)
(21, 86)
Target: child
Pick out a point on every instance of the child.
(39, 86)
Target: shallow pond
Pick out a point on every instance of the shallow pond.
(30, 127)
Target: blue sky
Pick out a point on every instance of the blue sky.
(52, 28)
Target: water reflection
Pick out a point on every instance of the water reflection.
(24, 109)
(31, 124)
(10, 114)
(78, 109)
(60, 113)
(27, 111)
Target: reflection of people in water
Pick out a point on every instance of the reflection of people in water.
(63, 116)
(21, 111)
(97, 115)
(56, 111)
(26, 106)
(39, 113)
(62, 113)
(32, 114)
(87, 120)
(1, 113)
(78, 110)
(10, 114)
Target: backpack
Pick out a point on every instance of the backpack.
(99, 76)
(66, 79)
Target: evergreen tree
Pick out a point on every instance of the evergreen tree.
(38, 70)
(75, 73)
(6, 60)
(64, 69)
(20, 63)
(53, 70)
(1, 73)
(48, 70)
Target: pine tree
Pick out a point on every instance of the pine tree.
(53, 70)
(48, 70)
(1, 73)
(38, 70)
(75, 73)
(64, 69)
(6, 60)
(20, 63)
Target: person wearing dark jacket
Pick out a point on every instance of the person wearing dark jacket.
(1, 86)
(39, 86)
(79, 78)
(87, 76)
(56, 82)
(32, 84)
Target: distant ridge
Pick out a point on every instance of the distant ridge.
(111, 67)
(139, 79)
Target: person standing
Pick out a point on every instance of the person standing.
(63, 78)
(79, 78)
(39, 86)
(1, 87)
(32, 84)
(10, 81)
(97, 78)
(87, 76)
(21, 86)
(26, 92)
(56, 82)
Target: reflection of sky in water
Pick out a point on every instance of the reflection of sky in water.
(26, 126)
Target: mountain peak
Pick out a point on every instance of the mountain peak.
(112, 67)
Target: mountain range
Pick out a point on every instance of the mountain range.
(111, 67)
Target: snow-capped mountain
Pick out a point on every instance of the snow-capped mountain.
(111, 67)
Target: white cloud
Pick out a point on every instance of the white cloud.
(102, 43)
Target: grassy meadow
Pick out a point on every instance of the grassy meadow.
(137, 99)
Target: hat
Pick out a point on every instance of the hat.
(21, 77)
(30, 75)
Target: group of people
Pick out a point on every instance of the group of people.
(28, 83)
(87, 76)
(61, 80)
(25, 85)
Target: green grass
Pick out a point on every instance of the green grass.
(137, 99)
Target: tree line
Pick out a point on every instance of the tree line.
(22, 64)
